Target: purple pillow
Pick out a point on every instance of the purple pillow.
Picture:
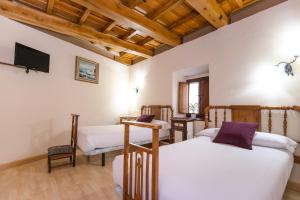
(145, 118)
(239, 134)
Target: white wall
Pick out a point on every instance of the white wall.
(35, 108)
(241, 59)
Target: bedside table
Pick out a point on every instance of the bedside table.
(180, 124)
(127, 118)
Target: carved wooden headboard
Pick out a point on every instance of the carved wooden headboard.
(249, 113)
(161, 112)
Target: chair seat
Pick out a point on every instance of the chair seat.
(57, 150)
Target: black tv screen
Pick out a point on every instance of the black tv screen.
(31, 58)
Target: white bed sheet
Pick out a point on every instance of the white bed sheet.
(91, 138)
(199, 169)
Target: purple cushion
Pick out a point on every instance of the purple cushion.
(145, 118)
(239, 134)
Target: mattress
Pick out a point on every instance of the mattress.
(93, 138)
(200, 169)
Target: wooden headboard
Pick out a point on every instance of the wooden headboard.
(161, 112)
(249, 113)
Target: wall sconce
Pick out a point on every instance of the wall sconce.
(136, 89)
(288, 69)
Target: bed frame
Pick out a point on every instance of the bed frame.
(137, 158)
(249, 114)
(161, 112)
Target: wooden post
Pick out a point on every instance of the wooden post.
(125, 168)
(138, 168)
(285, 123)
(74, 129)
(155, 164)
(74, 137)
(206, 117)
(270, 121)
(216, 118)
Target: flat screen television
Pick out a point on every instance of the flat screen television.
(31, 58)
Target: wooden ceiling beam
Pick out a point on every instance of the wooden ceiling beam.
(130, 33)
(78, 42)
(125, 61)
(170, 5)
(33, 17)
(122, 14)
(112, 51)
(183, 20)
(109, 27)
(142, 42)
(86, 45)
(122, 54)
(239, 3)
(145, 40)
(232, 4)
(211, 11)
(133, 3)
(129, 36)
(84, 16)
(137, 60)
(50, 6)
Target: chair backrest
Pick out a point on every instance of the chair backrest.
(74, 131)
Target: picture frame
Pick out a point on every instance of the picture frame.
(86, 70)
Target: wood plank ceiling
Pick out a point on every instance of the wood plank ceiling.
(129, 31)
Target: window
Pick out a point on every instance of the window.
(193, 96)
(193, 102)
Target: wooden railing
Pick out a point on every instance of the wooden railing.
(137, 165)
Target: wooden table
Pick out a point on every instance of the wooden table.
(180, 124)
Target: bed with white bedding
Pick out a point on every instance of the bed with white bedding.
(200, 169)
(93, 140)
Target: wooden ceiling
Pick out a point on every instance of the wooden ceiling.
(129, 31)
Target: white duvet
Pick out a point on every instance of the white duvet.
(198, 169)
(108, 136)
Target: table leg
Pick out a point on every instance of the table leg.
(172, 133)
(172, 136)
(184, 132)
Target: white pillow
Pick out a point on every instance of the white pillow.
(260, 139)
(164, 125)
(274, 141)
(210, 132)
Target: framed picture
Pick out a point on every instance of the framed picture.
(86, 70)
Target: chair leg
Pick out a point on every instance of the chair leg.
(74, 160)
(49, 165)
(103, 159)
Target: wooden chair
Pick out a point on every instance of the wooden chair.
(65, 151)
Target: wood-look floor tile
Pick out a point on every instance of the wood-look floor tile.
(87, 181)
